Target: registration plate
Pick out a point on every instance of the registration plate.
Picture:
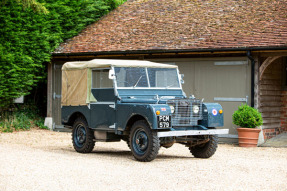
(164, 121)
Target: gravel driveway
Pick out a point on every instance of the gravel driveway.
(45, 160)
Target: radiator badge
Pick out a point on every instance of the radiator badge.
(214, 112)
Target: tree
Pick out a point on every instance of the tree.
(33, 4)
(27, 39)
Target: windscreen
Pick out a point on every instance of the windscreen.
(163, 77)
(146, 77)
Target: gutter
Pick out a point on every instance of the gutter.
(176, 51)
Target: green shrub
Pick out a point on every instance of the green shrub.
(28, 38)
(247, 117)
(23, 118)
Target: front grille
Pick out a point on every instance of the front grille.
(184, 114)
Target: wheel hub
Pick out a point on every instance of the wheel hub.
(81, 135)
(141, 141)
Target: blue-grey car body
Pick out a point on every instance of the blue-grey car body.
(144, 106)
(115, 111)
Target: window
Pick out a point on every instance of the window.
(163, 77)
(131, 77)
(136, 77)
(100, 79)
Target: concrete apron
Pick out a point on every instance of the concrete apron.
(278, 141)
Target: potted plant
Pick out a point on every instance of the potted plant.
(247, 118)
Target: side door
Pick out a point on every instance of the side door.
(227, 82)
(103, 107)
(57, 86)
(224, 82)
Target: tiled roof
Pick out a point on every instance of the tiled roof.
(185, 25)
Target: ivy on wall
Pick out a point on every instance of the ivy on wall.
(28, 38)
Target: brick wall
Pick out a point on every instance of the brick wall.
(283, 113)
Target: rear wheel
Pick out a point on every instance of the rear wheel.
(82, 136)
(205, 150)
(143, 142)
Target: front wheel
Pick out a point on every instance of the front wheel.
(82, 136)
(143, 142)
(205, 150)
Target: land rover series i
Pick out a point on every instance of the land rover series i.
(140, 102)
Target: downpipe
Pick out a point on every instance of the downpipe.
(252, 60)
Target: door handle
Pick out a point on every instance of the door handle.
(56, 96)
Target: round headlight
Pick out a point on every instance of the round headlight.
(195, 109)
(171, 108)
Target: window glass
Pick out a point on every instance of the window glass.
(131, 77)
(100, 79)
(163, 77)
(147, 77)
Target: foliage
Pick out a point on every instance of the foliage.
(27, 39)
(247, 117)
(33, 4)
(119, 2)
(22, 118)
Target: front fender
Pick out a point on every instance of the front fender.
(211, 115)
(148, 111)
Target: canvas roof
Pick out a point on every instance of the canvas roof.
(184, 25)
(106, 63)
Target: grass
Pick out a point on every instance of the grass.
(22, 118)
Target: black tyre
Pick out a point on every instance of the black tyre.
(127, 140)
(128, 143)
(82, 136)
(143, 142)
(205, 150)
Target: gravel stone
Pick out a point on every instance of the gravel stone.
(45, 160)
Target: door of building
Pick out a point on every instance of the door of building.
(57, 88)
(224, 82)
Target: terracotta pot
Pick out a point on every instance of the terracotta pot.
(248, 137)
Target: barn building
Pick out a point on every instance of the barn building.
(231, 52)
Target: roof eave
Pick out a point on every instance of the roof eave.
(176, 51)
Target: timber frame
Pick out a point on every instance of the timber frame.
(263, 60)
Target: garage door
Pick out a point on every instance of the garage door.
(224, 82)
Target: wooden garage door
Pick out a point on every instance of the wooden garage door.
(224, 82)
(57, 76)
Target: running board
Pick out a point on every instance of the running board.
(192, 132)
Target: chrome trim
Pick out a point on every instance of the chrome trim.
(104, 102)
(148, 88)
(112, 126)
(192, 132)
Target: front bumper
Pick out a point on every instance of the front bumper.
(192, 132)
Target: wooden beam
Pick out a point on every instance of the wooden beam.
(266, 63)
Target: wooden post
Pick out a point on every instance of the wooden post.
(49, 90)
(256, 83)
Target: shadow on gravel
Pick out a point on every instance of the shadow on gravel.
(167, 157)
(127, 154)
(102, 151)
(112, 153)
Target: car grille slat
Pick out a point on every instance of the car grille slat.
(184, 114)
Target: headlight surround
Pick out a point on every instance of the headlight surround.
(171, 108)
(195, 109)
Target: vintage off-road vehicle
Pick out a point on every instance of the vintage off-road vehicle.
(140, 102)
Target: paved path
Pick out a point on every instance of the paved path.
(278, 141)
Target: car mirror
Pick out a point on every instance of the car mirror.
(181, 78)
(112, 74)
